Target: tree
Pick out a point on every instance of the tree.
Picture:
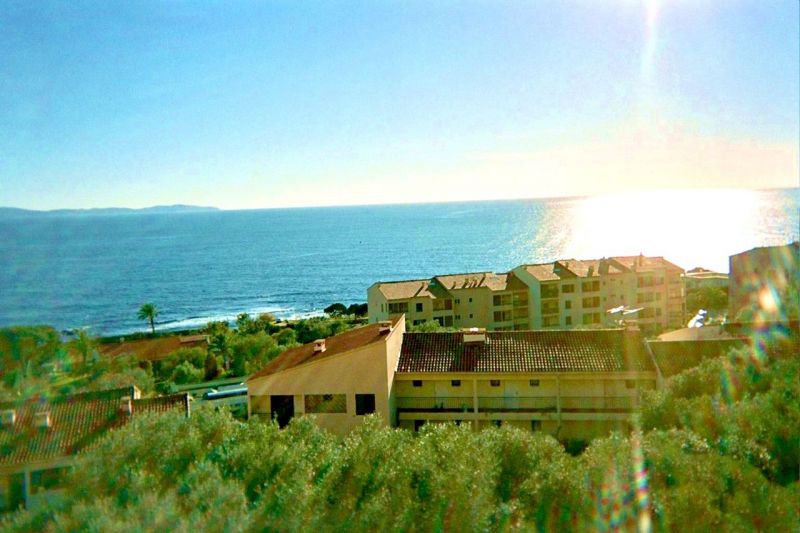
(357, 310)
(85, 345)
(149, 312)
(335, 309)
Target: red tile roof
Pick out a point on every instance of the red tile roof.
(337, 344)
(76, 422)
(526, 351)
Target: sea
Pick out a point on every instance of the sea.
(95, 270)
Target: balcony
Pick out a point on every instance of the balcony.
(520, 404)
(419, 404)
(597, 404)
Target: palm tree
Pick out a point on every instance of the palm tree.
(149, 312)
(85, 345)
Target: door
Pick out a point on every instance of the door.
(282, 409)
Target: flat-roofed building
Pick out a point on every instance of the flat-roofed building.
(574, 384)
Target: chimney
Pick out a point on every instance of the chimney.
(126, 405)
(474, 335)
(9, 417)
(591, 270)
(319, 345)
(42, 419)
(384, 326)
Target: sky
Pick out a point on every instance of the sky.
(279, 104)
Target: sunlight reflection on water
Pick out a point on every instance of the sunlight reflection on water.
(683, 226)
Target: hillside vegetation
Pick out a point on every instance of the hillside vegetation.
(717, 449)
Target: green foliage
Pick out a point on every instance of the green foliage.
(27, 351)
(86, 346)
(311, 329)
(285, 337)
(186, 372)
(148, 312)
(709, 298)
(336, 309)
(251, 352)
(339, 309)
(429, 326)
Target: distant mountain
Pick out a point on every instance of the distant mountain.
(15, 212)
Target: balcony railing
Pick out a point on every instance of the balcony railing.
(456, 404)
(597, 404)
(519, 403)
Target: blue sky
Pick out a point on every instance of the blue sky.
(245, 105)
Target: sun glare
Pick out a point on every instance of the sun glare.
(676, 224)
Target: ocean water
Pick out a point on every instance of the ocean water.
(96, 270)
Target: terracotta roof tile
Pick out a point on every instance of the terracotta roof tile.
(343, 342)
(643, 263)
(76, 422)
(543, 272)
(526, 351)
(474, 280)
(401, 290)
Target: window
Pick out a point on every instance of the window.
(326, 403)
(417, 383)
(455, 382)
(365, 404)
(418, 322)
(534, 383)
(470, 315)
(442, 305)
(419, 307)
(520, 298)
(497, 423)
(536, 425)
(501, 299)
(398, 308)
(458, 317)
(568, 304)
(591, 318)
(502, 316)
(568, 288)
(568, 321)
(590, 286)
(470, 300)
(550, 290)
(630, 384)
(549, 308)
(494, 382)
(593, 301)
(458, 300)
(549, 321)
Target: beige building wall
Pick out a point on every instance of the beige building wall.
(566, 405)
(365, 370)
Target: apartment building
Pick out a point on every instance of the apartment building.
(572, 384)
(764, 282)
(479, 299)
(561, 294)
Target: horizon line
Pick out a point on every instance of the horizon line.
(379, 204)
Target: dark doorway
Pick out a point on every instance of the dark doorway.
(282, 409)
